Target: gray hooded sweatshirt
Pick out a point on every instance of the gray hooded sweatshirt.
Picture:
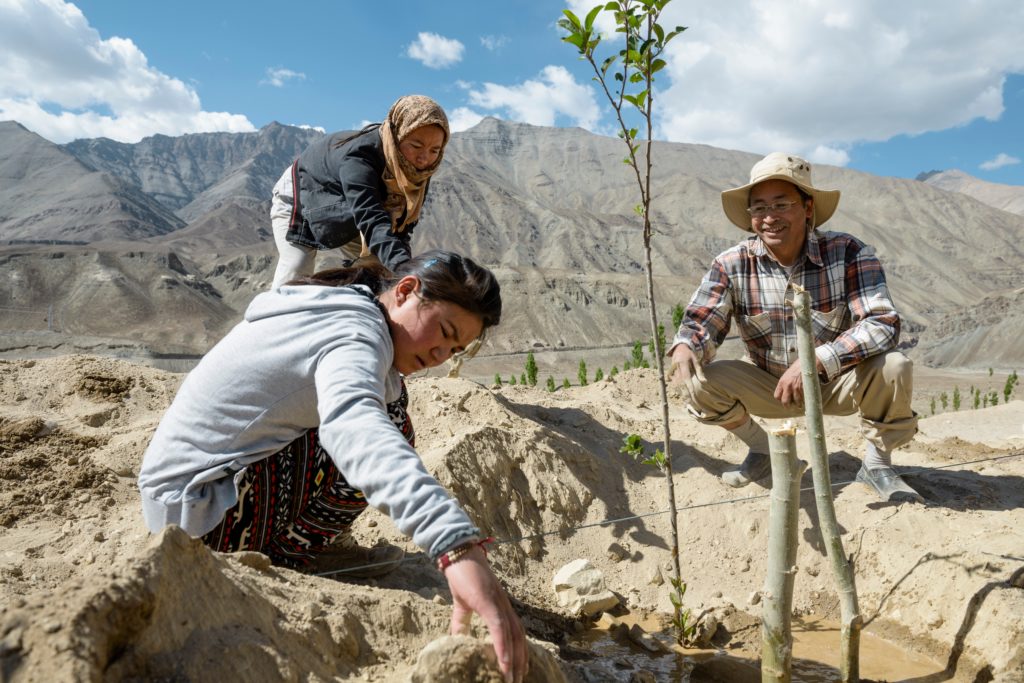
(303, 357)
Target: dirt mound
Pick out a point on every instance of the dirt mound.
(87, 594)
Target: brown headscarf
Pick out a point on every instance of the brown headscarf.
(407, 185)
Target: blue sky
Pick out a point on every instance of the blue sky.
(892, 88)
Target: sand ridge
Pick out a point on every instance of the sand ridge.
(88, 594)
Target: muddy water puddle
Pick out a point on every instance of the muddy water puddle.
(815, 660)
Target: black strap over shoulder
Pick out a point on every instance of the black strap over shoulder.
(362, 289)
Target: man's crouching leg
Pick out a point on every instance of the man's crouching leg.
(884, 387)
(734, 390)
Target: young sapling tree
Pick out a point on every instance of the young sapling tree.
(627, 79)
(678, 312)
(531, 369)
(638, 354)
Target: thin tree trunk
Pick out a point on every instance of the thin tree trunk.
(776, 620)
(659, 352)
(660, 364)
(842, 569)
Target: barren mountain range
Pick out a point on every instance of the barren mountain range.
(157, 247)
(1006, 197)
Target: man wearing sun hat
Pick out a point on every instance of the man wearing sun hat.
(856, 327)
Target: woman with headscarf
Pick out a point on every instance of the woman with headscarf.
(359, 192)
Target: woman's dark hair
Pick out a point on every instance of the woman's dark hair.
(443, 276)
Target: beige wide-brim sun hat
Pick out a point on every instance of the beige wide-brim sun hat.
(779, 166)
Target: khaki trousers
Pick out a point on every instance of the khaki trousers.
(294, 260)
(879, 389)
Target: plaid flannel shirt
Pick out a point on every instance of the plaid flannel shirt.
(853, 316)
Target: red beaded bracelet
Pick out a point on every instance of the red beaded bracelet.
(449, 558)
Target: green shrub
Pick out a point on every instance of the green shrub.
(678, 313)
(638, 354)
(531, 370)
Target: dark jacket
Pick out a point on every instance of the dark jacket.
(340, 192)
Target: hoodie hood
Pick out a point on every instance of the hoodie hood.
(290, 299)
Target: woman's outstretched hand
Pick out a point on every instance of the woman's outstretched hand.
(475, 588)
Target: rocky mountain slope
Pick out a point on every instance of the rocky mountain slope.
(49, 194)
(551, 208)
(1006, 197)
(195, 174)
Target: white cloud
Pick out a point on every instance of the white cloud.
(59, 78)
(279, 76)
(436, 52)
(463, 118)
(816, 77)
(539, 102)
(1000, 160)
(494, 43)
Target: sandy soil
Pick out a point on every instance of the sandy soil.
(87, 594)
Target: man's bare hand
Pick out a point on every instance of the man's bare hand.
(685, 366)
(790, 389)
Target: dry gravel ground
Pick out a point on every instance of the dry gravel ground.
(87, 594)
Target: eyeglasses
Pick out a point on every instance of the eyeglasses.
(761, 210)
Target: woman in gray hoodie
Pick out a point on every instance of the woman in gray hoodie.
(281, 435)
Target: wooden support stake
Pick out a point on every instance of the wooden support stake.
(776, 621)
(850, 617)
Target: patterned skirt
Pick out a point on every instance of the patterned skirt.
(294, 503)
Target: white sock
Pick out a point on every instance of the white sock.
(753, 435)
(874, 458)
